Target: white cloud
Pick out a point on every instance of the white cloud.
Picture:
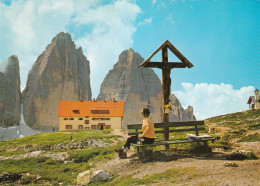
(27, 27)
(113, 28)
(170, 18)
(154, 1)
(3, 66)
(146, 21)
(214, 99)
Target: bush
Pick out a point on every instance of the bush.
(84, 155)
(241, 155)
(28, 179)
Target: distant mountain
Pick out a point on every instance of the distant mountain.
(61, 72)
(138, 87)
(10, 94)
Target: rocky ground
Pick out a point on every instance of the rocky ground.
(211, 169)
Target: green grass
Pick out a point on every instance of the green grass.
(59, 137)
(248, 120)
(239, 123)
(4, 152)
(250, 138)
(93, 154)
(172, 175)
(49, 170)
(55, 172)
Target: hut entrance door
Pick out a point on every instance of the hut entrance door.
(101, 126)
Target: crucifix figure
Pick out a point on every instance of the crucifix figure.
(166, 67)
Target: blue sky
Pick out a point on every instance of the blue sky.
(220, 38)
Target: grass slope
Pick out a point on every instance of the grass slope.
(236, 127)
(48, 170)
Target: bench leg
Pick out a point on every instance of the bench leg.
(140, 152)
(206, 146)
(145, 153)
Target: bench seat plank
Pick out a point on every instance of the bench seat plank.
(175, 141)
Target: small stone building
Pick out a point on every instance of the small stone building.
(87, 115)
(254, 101)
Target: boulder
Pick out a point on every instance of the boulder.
(99, 176)
(84, 178)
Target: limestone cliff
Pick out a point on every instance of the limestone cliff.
(178, 113)
(10, 94)
(61, 72)
(138, 87)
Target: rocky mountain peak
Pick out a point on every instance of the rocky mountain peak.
(10, 94)
(61, 72)
(138, 87)
(129, 58)
(62, 38)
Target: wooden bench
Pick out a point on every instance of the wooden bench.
(167, 129)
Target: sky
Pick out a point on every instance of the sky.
(219, 37)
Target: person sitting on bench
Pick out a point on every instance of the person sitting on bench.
(147, 137)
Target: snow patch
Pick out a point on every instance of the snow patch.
(17, 131)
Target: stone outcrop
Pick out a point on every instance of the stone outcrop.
(10, 93)
(178, 113)
(138, 87)
(61, 72)
(85, 178)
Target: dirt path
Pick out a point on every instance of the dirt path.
(121, 133)
(207, 170)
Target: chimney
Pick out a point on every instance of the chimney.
(256, 95)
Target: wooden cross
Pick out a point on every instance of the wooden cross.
(166, 72)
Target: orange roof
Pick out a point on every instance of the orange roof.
(90, 108)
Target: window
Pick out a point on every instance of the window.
(76, 111)
(100, 111)
(71, 118)
(68, 126)
(86, 121)
(80, 118)
(65, 118)
(94, 127)
(108, 126)
(80, 126)
(108, 118)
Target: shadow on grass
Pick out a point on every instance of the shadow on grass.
(175, 154)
